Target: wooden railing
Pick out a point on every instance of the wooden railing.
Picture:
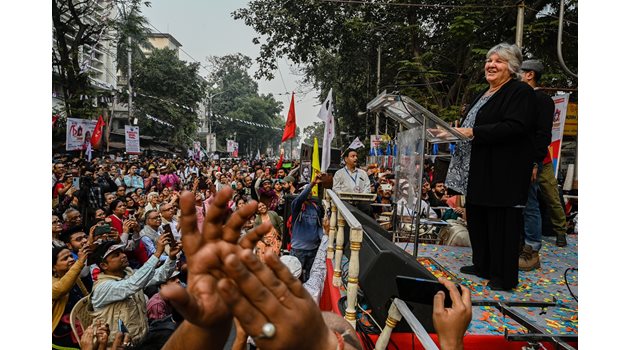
(340, 217)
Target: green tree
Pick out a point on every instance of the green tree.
(174, 84)
(75, 31)
(130, 24)
(314, 130)
(434, 54)
(234, 97)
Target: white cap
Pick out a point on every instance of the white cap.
(293, 264)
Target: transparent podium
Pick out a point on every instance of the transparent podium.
(423, 128)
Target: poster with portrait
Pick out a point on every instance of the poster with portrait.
(232, 148)
(132, 139)
(78, 132)
(305, 171)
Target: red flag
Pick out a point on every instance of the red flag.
(289, 128)
(98, 132)
(54, 119)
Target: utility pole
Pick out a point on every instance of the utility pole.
(129, 78)
(520, 19)
(378, 83)
(210, 115)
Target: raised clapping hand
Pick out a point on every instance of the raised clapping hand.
(207, 315)
(258, 293)
(451, 323)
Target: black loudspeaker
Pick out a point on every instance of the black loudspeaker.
(380, 261)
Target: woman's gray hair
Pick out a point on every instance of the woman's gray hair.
(511, 53)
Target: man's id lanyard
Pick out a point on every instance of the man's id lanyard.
(354, 179)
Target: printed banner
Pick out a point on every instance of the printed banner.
(559, 117)
(78, 133)
(232, 148)
(375, 140)
(571, 122)
(132, 139)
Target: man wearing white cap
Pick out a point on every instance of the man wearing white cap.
(118, 294)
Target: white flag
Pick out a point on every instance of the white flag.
(325, 114)
(356, 144)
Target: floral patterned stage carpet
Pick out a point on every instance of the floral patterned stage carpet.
(546, 284)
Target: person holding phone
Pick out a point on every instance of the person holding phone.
(67, 290)
(132, 180)
(118, 293)
(167, 211)
(452, 322)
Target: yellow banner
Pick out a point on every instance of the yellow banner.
(315, 165)
(571, 123)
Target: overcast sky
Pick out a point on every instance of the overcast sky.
(205, 27)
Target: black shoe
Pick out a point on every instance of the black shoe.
(468, 270)
(561, 240)
(496, 286)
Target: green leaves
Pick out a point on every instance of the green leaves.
(435, 54)
(235, 95)
(172, 84)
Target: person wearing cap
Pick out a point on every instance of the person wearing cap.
(542, 178)
(118, 293)
(289, 185)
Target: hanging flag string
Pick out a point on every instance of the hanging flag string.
(159, 121)
(232, 119)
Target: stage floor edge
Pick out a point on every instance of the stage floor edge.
(332, 294)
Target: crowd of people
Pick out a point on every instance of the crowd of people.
(124, 232)
(173, 252)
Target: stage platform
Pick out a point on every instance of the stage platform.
(488, 325)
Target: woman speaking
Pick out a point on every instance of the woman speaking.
(493, 169)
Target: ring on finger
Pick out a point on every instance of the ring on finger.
(268, 331)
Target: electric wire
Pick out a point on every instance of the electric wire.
(567, 283)
(182, 50)
(406, 4)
